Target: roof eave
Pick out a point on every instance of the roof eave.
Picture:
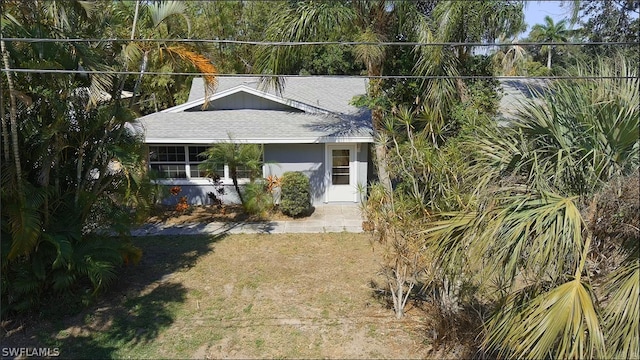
(299, 140)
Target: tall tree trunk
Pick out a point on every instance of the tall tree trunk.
(376, 117)
(234, 178)
(13, 118)
(5, 129)
(549, 59)
(143, 68)
(135, 19)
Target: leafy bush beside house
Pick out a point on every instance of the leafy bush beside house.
(296, 194)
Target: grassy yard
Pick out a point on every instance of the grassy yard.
(241, 296)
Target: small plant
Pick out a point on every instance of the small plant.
(296, 194)
(273, 182)
(182, 205)
(216, 196)
(258, 201)
(237, 157)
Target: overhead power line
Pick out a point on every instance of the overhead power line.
(316, 43)
(426, 77)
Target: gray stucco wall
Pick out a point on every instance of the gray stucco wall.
(243, 100)
(362, 158)
(280, 158)
(306, 158)
(197, 194)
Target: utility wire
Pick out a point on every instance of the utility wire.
(305, 43)
(486, 77)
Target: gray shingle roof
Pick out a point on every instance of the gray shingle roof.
(262, 126)
(343, 122)
(516, 91)
(329, 93)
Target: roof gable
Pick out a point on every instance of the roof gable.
(247, 98)
(328, 94)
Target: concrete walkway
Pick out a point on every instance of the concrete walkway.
(325, 218)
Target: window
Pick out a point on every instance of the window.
(168, 161)
(195, 159)
(340, 167)
(243, 172)
(182, 162)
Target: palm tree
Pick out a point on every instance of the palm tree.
(235, 156)
(552, 33)
(152, 19)
(65, 150)
(308, 20)
(533, 228)
(460, 21)
(372, 22)
(509, 60)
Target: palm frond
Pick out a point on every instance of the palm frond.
(203, 64)
(540, 233)
(560, 323)
(369, 54)
(160, 11)
(440, 94)
(25, 222)
(101, 85)
(304, 21)
(622, 312)
(62, 279)
(64, 249)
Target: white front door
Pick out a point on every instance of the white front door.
(341, 168)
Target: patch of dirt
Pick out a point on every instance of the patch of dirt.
(211, 213)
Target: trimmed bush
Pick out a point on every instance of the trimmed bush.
(296, 194)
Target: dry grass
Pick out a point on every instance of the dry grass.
(242, 296)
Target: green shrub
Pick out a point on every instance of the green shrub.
(296, 194)
(257, 200)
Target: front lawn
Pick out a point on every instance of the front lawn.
(240, 296)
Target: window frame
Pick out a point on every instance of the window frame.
(188, 164)
(168, 162)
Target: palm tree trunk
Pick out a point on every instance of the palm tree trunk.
(135, 19)
(234, 178)
(376, 118)
(549, 59)
(5, 130)
(143, 68)
(13, 118)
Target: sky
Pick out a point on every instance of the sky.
(535, 11)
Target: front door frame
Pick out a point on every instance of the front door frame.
(353, 169)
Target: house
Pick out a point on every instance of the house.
(515, 92)
(310, 127)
